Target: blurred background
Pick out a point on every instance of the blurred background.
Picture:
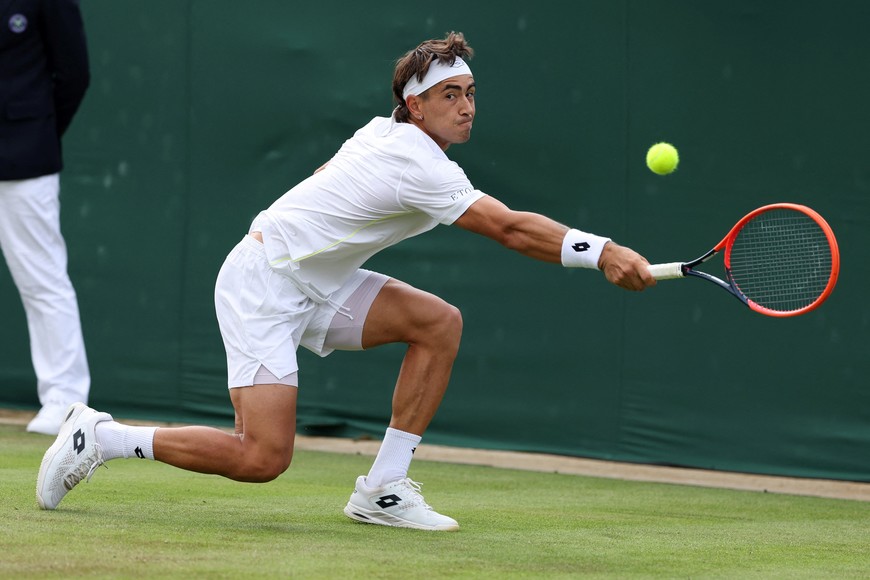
(201, 113)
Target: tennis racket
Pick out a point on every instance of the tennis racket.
(780, 260)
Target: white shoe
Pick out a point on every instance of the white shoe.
(397, 504)
(49, 418)
(73, 457)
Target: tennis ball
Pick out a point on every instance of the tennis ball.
(662, 158)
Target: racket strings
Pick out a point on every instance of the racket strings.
(781, 260)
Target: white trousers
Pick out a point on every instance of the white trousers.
(35, 252)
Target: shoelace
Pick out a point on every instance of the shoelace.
(415, 489)
(85, 469)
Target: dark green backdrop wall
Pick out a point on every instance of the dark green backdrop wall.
(203, 112)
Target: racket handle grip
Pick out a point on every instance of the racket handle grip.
(666, 271)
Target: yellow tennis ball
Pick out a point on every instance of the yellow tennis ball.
(662, 158)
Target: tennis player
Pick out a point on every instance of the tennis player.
(296, 279)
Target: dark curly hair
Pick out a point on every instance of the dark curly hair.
(417, 61)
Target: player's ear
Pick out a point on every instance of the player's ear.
(414, 102)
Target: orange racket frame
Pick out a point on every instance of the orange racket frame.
(682, 269)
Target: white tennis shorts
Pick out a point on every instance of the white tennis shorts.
(264, 317)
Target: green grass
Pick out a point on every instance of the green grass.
(142, 519)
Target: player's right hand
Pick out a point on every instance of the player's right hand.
(625, 268)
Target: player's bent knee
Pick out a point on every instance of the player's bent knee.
(266, 472)
(447, 326)
(264, 468)
(454, 322)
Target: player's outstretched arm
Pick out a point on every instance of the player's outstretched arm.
(530, 234)
(542, 238)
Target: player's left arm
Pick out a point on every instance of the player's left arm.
(539, 237)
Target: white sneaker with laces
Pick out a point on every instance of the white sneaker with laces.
(397, 504)
(49, 418)
(74, 456)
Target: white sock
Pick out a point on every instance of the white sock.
(394, 458)
(123, 441)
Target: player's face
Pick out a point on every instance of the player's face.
(448, 111)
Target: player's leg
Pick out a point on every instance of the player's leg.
(431, 328)
(377, 310)
(261, 448)
(259, 315)
(260, 452)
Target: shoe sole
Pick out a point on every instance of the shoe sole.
(380, 518)
(66, 431)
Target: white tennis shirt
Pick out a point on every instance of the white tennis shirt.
(387, 183)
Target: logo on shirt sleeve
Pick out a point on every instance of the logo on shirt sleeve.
(461, 193)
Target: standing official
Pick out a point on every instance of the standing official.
(43, 78)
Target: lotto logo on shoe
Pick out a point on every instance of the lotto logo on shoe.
(388, 501)
(79, 441)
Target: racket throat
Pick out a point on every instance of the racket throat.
(727, 286)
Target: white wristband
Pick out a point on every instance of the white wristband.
(582, 250)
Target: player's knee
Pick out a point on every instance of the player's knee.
(447, 326)
(269, 471)
(265, 467)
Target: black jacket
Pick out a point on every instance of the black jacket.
(43, 78)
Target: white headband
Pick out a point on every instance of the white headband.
(438, 71)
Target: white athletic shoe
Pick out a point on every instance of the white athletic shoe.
(397, 504)
(74, 456)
